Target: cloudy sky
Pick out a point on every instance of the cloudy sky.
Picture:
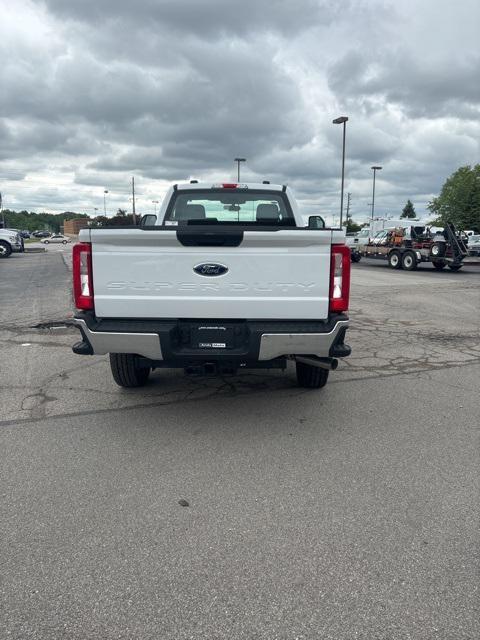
(93, 92)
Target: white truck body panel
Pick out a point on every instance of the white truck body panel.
(226, 277)
(283, 274)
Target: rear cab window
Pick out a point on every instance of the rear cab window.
(223, 206)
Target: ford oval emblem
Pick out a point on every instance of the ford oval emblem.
(210, 269)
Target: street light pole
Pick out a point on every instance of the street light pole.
(134, 214)
(375, 169)
(105, 191)
(238, 161)
(155, 202)
(342, 120)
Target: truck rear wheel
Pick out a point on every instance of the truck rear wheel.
(394, 260)
(126, 371)
(409, 261)
(439, 265)
(5, 249)
(311, 377)
(438, 249)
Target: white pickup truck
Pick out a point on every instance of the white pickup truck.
(10, 242)
(226, 277)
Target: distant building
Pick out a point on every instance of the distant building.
(72, 227)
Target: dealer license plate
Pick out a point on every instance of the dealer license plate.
(212, 337)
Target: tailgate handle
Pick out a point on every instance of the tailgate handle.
(208, 239)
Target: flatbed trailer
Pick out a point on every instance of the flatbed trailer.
(407, 250)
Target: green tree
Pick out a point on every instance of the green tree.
(459, 199)
(351, 226)
(32, 221)
(118, 220)
(121, 212)
(99, 221)
(408, 210)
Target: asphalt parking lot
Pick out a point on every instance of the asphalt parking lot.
(350, 512)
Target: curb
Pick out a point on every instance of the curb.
(35, 250)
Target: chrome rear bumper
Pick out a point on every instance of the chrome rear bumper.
(274, 345)
(102, 342)
(269, 345)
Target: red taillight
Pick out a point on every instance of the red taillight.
(340, 278)
(82, 275)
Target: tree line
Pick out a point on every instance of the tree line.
(31, 221)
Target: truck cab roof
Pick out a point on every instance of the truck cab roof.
(257, 186)
(233, 190)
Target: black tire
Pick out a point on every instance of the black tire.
(64, 241)
(439, 265)
(409, 261)
(438, 249)
(395, 260)
(455, 267)
(46, 242)
(356, 257)
(126, 372)
(311, 377)
(5, 249)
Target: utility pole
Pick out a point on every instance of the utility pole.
(375, 169)
(349, 197)
(238, 161)
(342, 120)
(134, 217)
(105, 191)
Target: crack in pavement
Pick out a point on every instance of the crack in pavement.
(294, 392)
(383, 346)
(422, 361)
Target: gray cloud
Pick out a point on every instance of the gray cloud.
(420, 89)
(204, 19)
(93, 92)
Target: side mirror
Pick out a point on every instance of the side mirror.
(316, 222)
(148, 220)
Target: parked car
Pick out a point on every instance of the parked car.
(473, 245)
(16, 248)
(23, 233)
(56, 237)
(41, 234)
(10, 242)
(352, 240)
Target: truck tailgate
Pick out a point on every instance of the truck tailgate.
(281, 274)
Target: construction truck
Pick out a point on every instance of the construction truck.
(358, 241)
(406, 247)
